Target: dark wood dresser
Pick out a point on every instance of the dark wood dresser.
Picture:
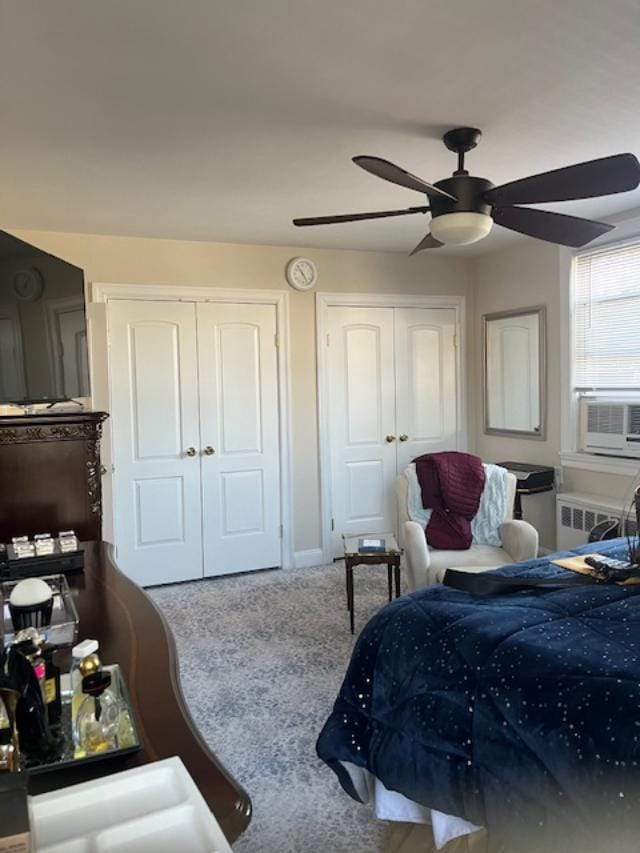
(50, 478)
(133, 632)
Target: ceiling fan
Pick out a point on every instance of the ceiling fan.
(463, 207)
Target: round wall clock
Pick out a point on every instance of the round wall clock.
(301, 273)
(28, 284)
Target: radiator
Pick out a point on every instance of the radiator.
(578, 513)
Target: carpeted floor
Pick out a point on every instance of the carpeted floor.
(262, 657)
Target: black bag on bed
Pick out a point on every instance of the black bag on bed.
(488, 583)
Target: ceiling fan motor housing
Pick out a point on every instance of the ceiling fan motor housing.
(468, 191)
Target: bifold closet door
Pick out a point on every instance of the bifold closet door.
(362, 419)
(426, 397)
(392, 396)
(238, 369)
(154, 421)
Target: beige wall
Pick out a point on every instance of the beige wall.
(530, 273)
(523, 275)
(144, 261)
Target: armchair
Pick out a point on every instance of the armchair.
(426, 566)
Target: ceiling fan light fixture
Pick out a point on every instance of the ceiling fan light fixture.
(463, 207)
(460, 229)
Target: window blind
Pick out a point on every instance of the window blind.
(607, 319)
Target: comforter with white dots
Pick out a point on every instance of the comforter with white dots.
(518, 712)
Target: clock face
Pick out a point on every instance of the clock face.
(301, 273)
(28, 285)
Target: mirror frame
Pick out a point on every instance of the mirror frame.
(541, 311)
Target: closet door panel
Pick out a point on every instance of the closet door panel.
(425, 382)
(239, 423)
(154, 420)
(361, 404)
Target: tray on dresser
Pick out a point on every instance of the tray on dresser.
(68, 755)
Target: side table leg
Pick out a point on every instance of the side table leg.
(397, 574)
(389, 581)
(349, 569)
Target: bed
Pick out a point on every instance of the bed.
(514, 715)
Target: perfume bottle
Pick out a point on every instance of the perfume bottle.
(31, 718)
(9, 742)
(40, 653)
(98, 718)
(81, 652)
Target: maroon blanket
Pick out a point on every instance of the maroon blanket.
(451, 484)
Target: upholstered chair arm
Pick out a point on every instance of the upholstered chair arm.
(519, 540)
(417, 556)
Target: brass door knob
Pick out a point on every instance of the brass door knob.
(190, 451)
(404, 437)
(208, 451)
(390, 438)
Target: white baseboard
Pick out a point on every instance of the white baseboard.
(307, 559)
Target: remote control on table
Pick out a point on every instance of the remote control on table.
(613, 569)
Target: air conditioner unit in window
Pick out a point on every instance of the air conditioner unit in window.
(610, 426)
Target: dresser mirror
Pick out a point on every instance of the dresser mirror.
(514, 361)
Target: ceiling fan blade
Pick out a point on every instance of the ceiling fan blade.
(428, 242)
(390, 172)
(606, 176)
(356, 217)
(554, 227)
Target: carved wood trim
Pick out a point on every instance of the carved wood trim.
(55, 432)
(65, 432)
(94, 483)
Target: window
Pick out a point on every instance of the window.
(607, 319)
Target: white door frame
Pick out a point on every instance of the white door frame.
(324, 301)
(107, 292)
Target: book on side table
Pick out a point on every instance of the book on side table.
(370, 545)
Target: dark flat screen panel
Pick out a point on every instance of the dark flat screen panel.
(43, 334)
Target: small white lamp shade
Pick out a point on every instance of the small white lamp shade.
(459, 229)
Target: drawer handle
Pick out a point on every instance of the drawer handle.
(404, 437)
(390, 438)
(208, 451)
(190, 451)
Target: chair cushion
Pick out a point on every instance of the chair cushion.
(478, 558)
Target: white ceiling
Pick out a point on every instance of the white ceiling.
(223, 119)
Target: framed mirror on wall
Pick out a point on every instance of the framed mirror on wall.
(514, 372)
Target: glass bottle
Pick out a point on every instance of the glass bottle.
(79, 653)
(98, 717)
(31, 717)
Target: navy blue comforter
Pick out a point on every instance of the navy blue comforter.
(518, 712)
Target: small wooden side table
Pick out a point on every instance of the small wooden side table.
(354, 557)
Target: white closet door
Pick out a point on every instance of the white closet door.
(239, 422)
(154, 421)
(425, 382)
(361, 402)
